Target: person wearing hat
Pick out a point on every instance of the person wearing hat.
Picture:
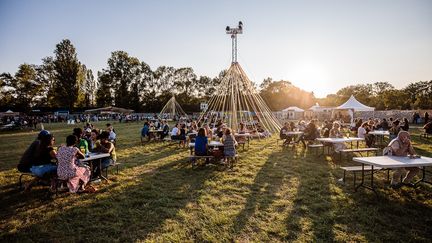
(29, 155)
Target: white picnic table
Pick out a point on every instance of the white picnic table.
(210, 144)
(392, 162)
(328, 142)
(242, 135)
(340, 140)
(96, 156)
(380, 133)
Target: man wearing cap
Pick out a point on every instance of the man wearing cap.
(29, 155)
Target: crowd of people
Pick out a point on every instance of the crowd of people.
(50, 163)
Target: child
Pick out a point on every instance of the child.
(77, 177)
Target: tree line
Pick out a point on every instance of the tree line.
(62, 81)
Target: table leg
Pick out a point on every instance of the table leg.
(100, 171)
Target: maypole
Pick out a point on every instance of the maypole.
(236, 100)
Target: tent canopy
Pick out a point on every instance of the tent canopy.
(109, 109)
(353, 104)
(293, 108)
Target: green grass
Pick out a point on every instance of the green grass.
(272, 195)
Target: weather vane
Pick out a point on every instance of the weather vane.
(234, 32)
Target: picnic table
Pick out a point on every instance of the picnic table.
(380, 134)
(213, 144)
(328, 142)
(391, 162)
(96, 156)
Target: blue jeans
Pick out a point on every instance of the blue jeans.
(41, 170)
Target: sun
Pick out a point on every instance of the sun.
(310, 76)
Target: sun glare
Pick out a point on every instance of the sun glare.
(310, 76)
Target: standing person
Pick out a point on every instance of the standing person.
(401, 146)
(77, 177)
(145, 132)
(175, 132)
(229, 143)
(426, 117)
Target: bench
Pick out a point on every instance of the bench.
(358, 150)
(116, 164)
(315, 147)
(355, 169)
(425, 135)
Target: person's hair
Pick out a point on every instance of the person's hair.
(403, 133)
(336, 123)
(71, 140)
(108, 124)
(228, 131)
(104, 135)
(95, 131)
(364, 124)
(201, 132)
(77, 132)
(46, 140)
(396, 122)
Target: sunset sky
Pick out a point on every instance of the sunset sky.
(320, 46)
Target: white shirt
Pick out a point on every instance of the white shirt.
(361, 132)
(112, 136)
(174, 131)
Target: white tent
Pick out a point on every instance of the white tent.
(293, 108)
(353, 104)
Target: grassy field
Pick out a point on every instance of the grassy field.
(272, 195)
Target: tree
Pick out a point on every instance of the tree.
(24, 87)
(89, 87)
(67, 75)
(104, 95)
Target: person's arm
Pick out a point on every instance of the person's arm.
(79, 154)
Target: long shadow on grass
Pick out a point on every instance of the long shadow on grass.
(134, 213)
(12, 199)
(312, 203)
(266, 184)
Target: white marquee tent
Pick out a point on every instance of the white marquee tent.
(353, 104)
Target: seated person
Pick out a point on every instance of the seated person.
(384, 125)
(112, 134)
(94, 140)
(175, 133)
(428, 127)
(165, 130)
(209, 132)
(283, 134)
(42, 165)
(29, 155)
(335, 132)
(401, 146)
(395, 129)
(201, 144)
(311, 131)
(77, 177)
(363, 132)
(82, 143)
(105, 146)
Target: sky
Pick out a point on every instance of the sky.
(319, 46)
